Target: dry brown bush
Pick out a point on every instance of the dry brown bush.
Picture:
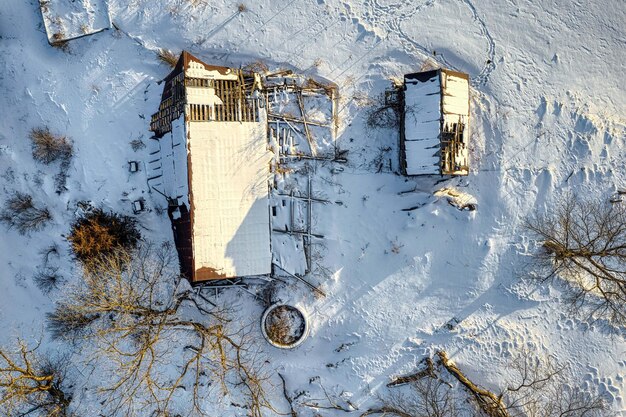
(49, 147)
(279, 330)
(100, 233)
(168, 57)
(59, 41)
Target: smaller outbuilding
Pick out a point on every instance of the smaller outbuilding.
(434, 128)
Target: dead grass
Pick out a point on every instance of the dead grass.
(257, 66)
(428, 65)
(280, 325)
(58, 41)
(362, 99)
(168, 57)
(282, 169)
(279, 331)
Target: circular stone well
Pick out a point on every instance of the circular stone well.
(284, 326)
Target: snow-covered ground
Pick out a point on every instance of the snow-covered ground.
(547, 108)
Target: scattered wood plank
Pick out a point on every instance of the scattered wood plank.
(305, 123)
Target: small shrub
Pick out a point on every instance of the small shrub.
(384, 113)
(168, 57)
(58, 41)
(100, 233)
(48, 147)
(20, 212)
(137, 144)
(48, 279)
(242, 8)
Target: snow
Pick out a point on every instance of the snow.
(288, 253)
(547, 109)
(64, 20)
(455, 98)
(229, 170)
(422, 125)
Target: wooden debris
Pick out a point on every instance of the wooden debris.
(490, 403)
(307, 131)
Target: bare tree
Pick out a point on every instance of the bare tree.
(20, 212)
(539, 388)
(161, 341)
(30, 385)
(426, 397)
(583, 243)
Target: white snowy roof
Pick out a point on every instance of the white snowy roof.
(422, 125)
(228, 168)
(432, 98)
(455, 94)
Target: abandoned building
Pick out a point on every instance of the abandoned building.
(434, 128)
(210, 161)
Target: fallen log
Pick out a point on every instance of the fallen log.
(490, 403)
(429, 371)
